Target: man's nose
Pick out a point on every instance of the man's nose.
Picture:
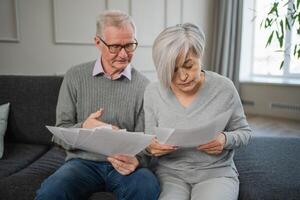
(123, 53)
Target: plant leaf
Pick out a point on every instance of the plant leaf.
(270, 39)
(281, 65)
(281, 27)
(274, 9)
(280, 39)
(287, 24)
(268, 22)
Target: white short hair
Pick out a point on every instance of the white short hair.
(114, 18)
(174, 42)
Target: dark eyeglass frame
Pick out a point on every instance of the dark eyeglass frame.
(119, 47)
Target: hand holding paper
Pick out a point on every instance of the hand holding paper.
(215, 146)
(103, 140)
(193, 137)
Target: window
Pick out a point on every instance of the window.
(261, 63)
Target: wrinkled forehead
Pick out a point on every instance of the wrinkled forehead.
(122, 32)
(121, 27)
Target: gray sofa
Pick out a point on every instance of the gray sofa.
(269, 167)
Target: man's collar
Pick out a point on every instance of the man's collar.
(98, 69)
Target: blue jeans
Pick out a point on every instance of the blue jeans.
(78, 179)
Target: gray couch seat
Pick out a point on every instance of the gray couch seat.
(18, 156)
(24, 183)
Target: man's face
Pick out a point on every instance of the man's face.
(113, 62)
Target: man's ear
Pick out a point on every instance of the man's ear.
(97, 41)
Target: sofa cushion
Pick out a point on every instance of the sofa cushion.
(18, 156)
(269, 168)
(3, 124)
(33, 102)
(28, 180)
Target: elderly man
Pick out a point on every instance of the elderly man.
(107, 91)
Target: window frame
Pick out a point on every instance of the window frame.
(248, 47)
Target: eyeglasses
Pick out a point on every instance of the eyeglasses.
(116, 48)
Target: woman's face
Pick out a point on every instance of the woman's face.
(187, 77)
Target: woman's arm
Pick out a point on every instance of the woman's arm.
(237, 132)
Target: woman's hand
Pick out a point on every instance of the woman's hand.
(158, 149)
(215, 146)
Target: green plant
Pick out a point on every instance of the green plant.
(278, 24)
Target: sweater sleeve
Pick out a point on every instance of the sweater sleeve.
(150, 122)
(143, 157)
(66, 109)
(238, 132)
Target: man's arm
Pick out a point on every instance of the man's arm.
(66, 109)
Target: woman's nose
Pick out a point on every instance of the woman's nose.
(183, 75)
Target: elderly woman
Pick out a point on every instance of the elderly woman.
(186, 97)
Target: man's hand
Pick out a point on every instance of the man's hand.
(158, 149)
(215, 146)
(94, 120)
(124, 164)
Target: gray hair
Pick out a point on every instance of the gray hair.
(172, 43)
(114, 18)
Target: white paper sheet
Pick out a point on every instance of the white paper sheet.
(195, 136)
(104, 141)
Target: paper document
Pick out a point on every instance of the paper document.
(103, 140)
(195, 136)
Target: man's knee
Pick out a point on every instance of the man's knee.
(51, 190)
(142, 185)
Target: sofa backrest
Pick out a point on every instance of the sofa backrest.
(269, 168)
(32, 106)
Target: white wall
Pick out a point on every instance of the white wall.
(50, 41)
(57, 34)
(271, 99)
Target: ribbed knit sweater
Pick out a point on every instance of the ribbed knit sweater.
(81, 94)
(217, 95)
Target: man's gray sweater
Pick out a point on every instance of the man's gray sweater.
(82, 93)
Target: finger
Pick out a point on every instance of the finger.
(115, 127)
(214, 152)
(121, 167)
(215, 148)
(154, 150)
(161, 152)
(101, 110)
(95, 115)
(98, 123)
(124, 161)
(211, 144)
(157, 145)
(124, 158)
(156, 142)
(209, 148)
